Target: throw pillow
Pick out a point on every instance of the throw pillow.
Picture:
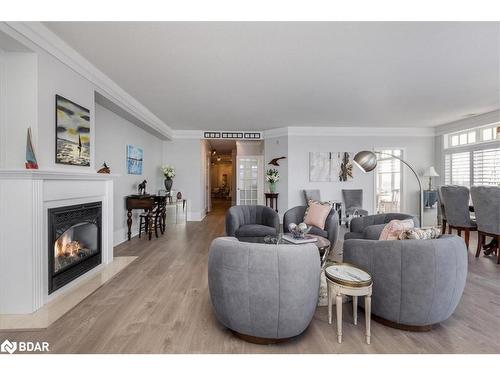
(420, 234)
(394, 228)
(316, 213)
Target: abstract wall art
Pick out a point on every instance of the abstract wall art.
(330, 166)
(135, 157)
(72, 133)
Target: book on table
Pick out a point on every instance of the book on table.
(306, 239)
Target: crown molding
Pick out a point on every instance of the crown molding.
(48, 41)
(482, 119)
(339, 131)
(360, 131)
(187, 134)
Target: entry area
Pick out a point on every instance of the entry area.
(235, 174)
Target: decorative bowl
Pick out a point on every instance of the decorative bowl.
(298, 231)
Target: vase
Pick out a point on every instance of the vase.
(272, 187)
(168, 184)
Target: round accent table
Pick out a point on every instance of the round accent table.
(346, 279)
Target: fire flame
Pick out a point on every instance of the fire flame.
(65, 247)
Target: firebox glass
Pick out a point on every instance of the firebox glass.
(75, 244)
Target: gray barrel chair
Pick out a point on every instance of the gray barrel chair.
(263, 293)
(331, 231)
(416, 283)
(486, 201)
(371, 226)
(251, 222)
(456, 204)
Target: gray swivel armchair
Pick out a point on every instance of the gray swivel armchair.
(263, 293)
(353, 203)
(331, 231)
(370, 227)
(249, 223)
(416, 283)
(456, 204)
(486, 201)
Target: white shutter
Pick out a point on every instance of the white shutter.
(447, 169)
(486, 164)
(457, 168)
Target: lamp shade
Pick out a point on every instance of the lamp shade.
(365, 160)
(430, 172)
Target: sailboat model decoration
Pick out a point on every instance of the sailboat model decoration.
(31, 162)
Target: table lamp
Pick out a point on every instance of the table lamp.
(430, 172)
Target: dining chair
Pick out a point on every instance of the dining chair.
(456, 205)
(353, 203)
(486, 201)
(443, 211)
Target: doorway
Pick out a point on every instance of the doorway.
(222, 174)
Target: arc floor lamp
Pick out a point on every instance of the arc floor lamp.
(367, 162)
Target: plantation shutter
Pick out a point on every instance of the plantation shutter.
(457, 169)
(486, 164)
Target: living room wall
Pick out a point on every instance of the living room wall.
(418, 151)
(113, 134)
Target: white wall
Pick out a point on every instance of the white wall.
(185, 155)
(18, 111)
(274, 148)
(113, 134)
(418, 151)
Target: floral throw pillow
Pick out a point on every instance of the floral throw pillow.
(316, 213)
(394, 228)
(420, 234)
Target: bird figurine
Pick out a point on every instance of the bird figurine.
(275, 161)
(104, 169)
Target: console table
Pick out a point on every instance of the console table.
(272, 198)
(138, 202)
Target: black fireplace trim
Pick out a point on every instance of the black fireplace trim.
(65, 276)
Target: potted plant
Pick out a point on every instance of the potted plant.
(169, 173)
(272, 177)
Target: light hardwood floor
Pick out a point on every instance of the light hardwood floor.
(160, 304)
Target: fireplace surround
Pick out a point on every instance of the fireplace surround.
(75, 239)
(26, 196)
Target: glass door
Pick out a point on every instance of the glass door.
(388, 181)
(250, 180)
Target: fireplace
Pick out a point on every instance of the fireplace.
(74, 242)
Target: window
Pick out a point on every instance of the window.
(486, 167)
(388, 181)
(472, 136)
(457, 169)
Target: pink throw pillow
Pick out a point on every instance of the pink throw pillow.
(395, 228)
(316, 213)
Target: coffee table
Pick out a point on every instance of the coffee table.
(323, 244)
(346, 279)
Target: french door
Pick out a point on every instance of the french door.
(388, 181)
(250, 180)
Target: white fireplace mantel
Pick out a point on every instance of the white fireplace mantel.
(25, 197)
(39, 174)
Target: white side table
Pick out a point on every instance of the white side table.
(343, 278)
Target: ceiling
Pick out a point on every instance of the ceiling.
(263, 75)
